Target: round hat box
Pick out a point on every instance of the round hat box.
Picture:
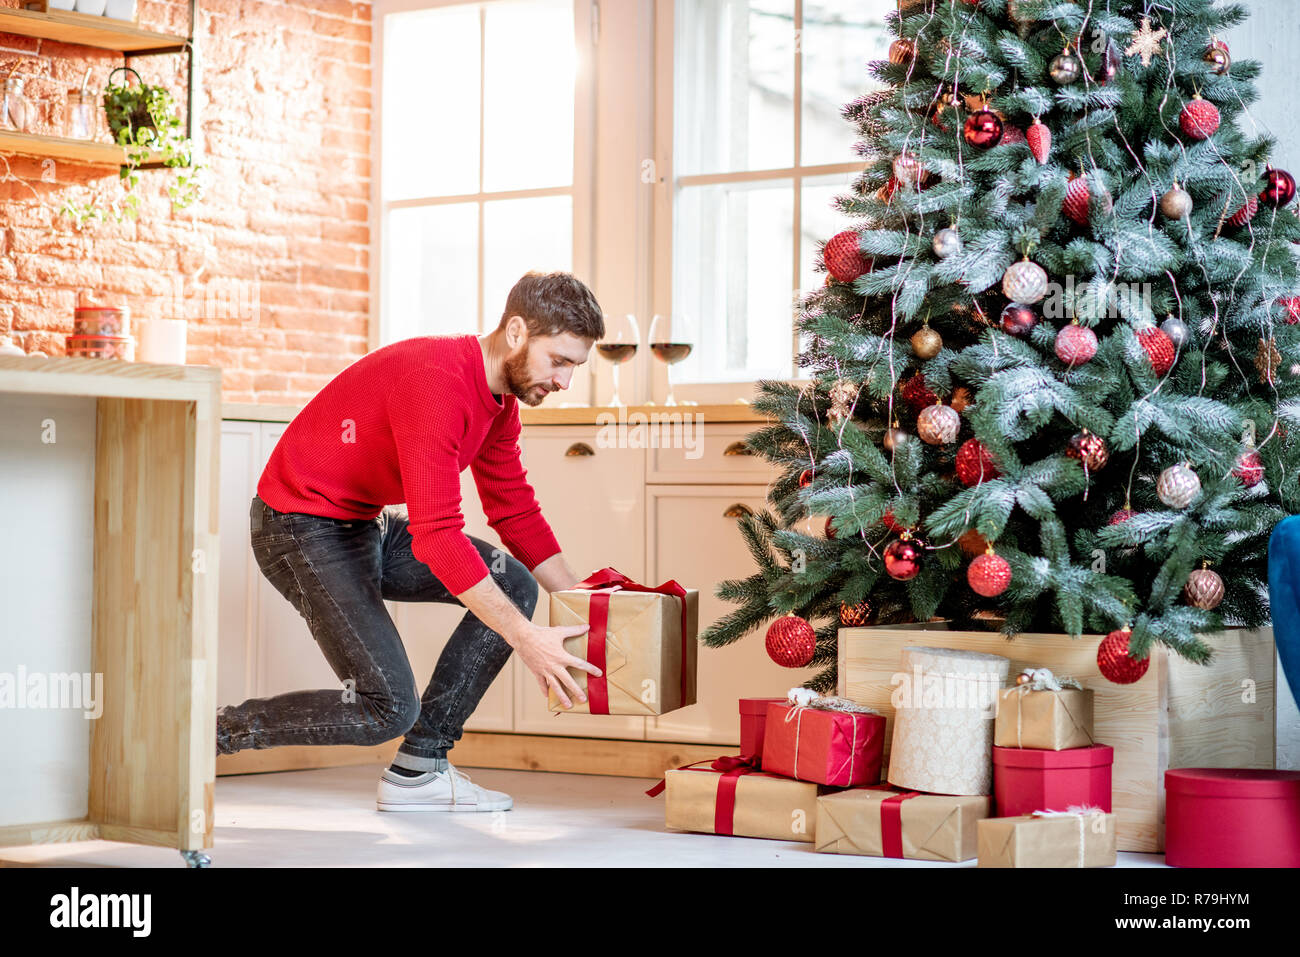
(1232, 817)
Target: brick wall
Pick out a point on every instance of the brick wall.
(271, 268)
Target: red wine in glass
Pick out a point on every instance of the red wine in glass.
(670, 353)
(618, 352)
(619, 346)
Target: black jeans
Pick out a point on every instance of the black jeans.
(337, 573)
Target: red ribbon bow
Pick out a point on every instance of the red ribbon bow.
(598, 623)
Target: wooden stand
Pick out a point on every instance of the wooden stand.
(153, 635)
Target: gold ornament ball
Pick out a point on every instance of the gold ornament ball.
(926, 343)
(1204, 589)
(894, 438)
(938, 425)
(1178, 486)
(1024, 678)
(1176, 204)
(902, 51)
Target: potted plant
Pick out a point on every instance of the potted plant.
(142, 119)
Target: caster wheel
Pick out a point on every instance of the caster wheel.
(196, 859)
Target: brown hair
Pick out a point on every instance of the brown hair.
(555, 302)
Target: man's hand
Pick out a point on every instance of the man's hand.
(542, 650)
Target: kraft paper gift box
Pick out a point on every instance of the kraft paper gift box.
(643, 641)
(742, 802)
(825, 746)
(1051, 720)
(880, 822)
(944, 701)
(1048, 839)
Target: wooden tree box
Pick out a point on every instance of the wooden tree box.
(1178, 715)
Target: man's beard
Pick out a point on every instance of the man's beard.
(516, 370)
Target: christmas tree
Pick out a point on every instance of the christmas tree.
(1047, 390)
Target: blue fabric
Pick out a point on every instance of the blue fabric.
(1284, 597)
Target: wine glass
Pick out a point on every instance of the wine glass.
(619, 346)
(670, 343)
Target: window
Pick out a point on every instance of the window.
(759, 150)
(476, 157)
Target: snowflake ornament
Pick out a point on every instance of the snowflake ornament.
(1146, 42)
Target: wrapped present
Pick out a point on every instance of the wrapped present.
(731, 796)
(823, 739)
(1028, 779)
(1232, 817)
(1044, 711)
(884, 822)
(641, 638)
(943, 729)
(753, 718)
(1076, 837)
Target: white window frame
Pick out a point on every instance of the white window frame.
(666, 193)
(581, 189)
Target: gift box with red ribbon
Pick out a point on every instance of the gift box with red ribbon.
(882, 821)
(641, 638)
(824, 745)
(731, 796)
(1028, 779)
(753, 719)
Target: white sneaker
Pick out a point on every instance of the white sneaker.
(449, 790)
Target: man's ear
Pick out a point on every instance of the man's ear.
(516, 332)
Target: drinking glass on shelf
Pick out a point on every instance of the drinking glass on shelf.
(619, 346)
(670, 343)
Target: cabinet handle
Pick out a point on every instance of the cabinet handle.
(579, 449)
(737, 448)
(738, 510)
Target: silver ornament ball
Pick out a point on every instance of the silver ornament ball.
(1176, 330)
(938, 425)
(1178, 486)
(1025, 282)
(947, 242)
(1065, 69)
(1176, 204)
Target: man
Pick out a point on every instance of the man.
(399, 426)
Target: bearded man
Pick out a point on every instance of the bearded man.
(396, 428)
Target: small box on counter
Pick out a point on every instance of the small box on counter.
(883, 822)
(1051, 719)
(1026, 780)
(642, 639)
(741, 802)
(822, 744)
(1083, 838)
(753, 719)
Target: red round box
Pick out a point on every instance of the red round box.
(1026, 780)
(1232, 817)
(753, 719)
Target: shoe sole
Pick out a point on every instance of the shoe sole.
(453, 808)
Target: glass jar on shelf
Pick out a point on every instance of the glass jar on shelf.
(16, 110)
(81, 115)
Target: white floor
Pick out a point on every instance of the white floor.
(327, 818)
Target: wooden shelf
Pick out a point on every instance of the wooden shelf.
(79, 28)
(90, 152)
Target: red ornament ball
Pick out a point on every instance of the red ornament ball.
(806, 478)
(1199, 119)
(1121, 516)
(1245, 213)
(975, 464)
(830, 531)
(1279, 187)
(903, 559)
(989, 575)
(902, 51)
(1039, 137)
(1018, 319)
(1089, 449)
(791, 642)
(917, 394)
(843, 257)
(1076, 344)
(1159, 348)
(983, 129)
(1114, 661)
(1249, 468)
(1075, 205)
(1292, 306)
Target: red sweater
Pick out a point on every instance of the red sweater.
(400, 425)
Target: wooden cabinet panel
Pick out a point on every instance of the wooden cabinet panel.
(705, 454)
(691, 539)
(596, 506)
(240, 467)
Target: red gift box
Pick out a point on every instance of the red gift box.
(753, 717)
(1232, 817)
(1026, 780)
(837, 748)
